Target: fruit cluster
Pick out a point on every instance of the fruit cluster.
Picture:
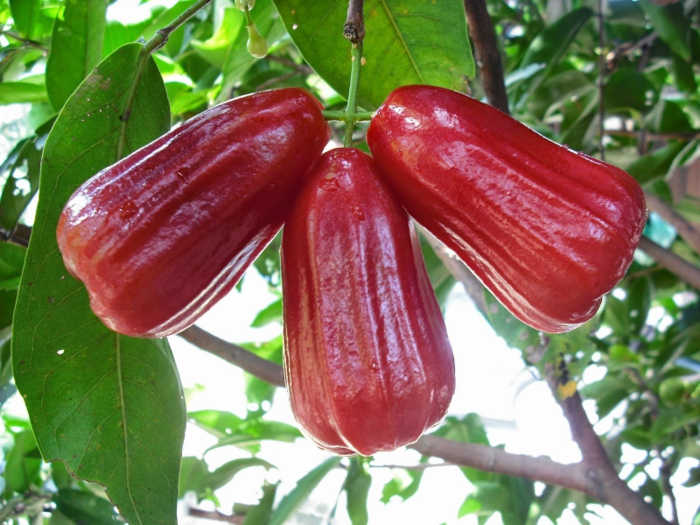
(162, 235)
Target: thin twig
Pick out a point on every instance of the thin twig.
(26, 41)
(215, 515)
(487, 54)
(416, 468)
(354, 28)
(665, 473)
(602, 66)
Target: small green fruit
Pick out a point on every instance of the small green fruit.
(257, 45)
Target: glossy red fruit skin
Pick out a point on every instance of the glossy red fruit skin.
(163, 234)
(547, 230)
(367, 361)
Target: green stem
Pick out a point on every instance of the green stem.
(351, 108)
(344, 116)
(155, 43)
(248, 17)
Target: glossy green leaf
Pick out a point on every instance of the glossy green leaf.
(671, 23)
(292, 501)
(547, 48)
(25, 13)
(76, 47)
(260, 514)
(85, 508)
(357, 486)
(20, 92)
(407, 42)
(111, 407)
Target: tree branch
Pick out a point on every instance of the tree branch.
(594, 476)
(602, 67)
(236, 355)
(666, 258)
(488, 58)
(354, 28)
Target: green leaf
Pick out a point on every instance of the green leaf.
(226, 472)
(655, 165)
(76, 47)
(357, 486)
(407, 42)
(11, 263)
(403, 485)
(305, 486)
(627, 89)
(251, 433)
(85, 508)
(216, 422)
(238, 59)
(683, 74)
(515, 333)
(192, 472)
(547, 48)
(23, 463)
(671, 23)
(110, 406)
(25, 13)
(21, 169)
(260, 514)
(216, 48)
(488, 497)
(272, 313)
(20, 92)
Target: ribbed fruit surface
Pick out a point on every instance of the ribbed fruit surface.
(163, 234)
(549, 231)
(367, 361)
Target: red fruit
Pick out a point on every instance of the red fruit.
(549, 231)
(163, 234)
(367, 361)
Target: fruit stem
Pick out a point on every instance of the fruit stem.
(351, 109)
(344, 116)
